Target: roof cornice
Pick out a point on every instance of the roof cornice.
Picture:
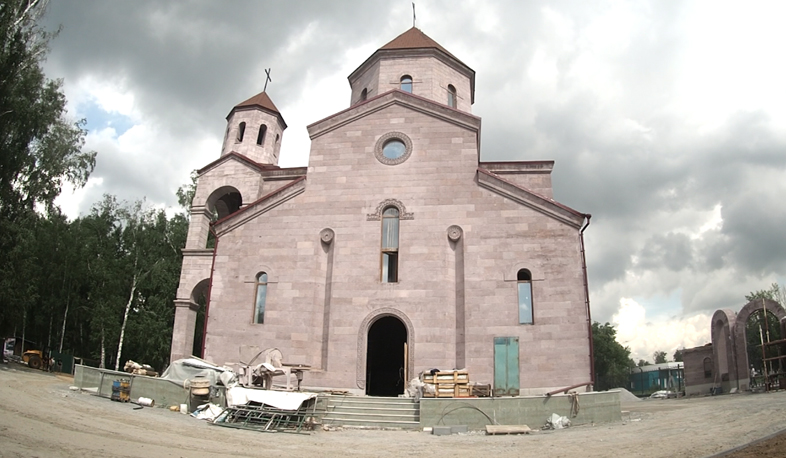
(533, 200)
(518, 167)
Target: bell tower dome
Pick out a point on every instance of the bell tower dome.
(254, 130)
(414, 63)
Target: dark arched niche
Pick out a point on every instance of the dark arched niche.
(224, 201)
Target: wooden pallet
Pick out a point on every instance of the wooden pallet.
(448, 384)
(452, 377)
(481, 391)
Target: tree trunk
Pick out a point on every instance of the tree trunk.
(62, 333)
(101, 364)
(125, 320)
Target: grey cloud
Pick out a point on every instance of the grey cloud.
(189, 63)
(671, 251)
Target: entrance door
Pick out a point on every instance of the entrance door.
(385, 373)
(506, 366)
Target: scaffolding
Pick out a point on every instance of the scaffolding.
(771, 378)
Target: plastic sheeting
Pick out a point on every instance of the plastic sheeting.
(185, 369)
(284, 400)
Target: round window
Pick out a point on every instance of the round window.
(394, 149)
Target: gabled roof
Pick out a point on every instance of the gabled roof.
(261, 205)
(240, 158)
(528, 198)
(395, 97)
(265, 170)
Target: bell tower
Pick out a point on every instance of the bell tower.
(254, 130)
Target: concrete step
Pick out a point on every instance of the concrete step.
(364, 411)
(371, 423)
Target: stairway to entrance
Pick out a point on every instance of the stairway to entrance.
(371, 412)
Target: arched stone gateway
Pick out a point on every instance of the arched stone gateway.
(740, 338)
(385, 353)
(731, 368)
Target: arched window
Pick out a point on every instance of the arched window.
(363, 95)
(708, 367)
(524, 280)
(261, 134)
(241, 131)
(261, 296)
(406, 83)
(390, 219)
(451, 96)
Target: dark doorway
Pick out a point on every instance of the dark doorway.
(199, 295)
(385, 374)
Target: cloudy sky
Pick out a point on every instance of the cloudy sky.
(666, 119)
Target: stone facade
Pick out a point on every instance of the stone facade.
(466, 231)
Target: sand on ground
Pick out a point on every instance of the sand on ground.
(41, 417)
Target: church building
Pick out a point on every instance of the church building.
(397, 250)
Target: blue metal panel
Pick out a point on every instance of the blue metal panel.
(506, 366)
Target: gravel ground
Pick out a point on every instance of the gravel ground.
(41, 417)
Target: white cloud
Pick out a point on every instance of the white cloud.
(645, 337)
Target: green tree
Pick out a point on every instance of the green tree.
(642, 363)
(40, 150)
(659, 357)
(776, 293)
(678, 354)
(611, 358)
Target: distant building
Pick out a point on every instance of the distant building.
(656, 377)
(396, 250)
(723, 365)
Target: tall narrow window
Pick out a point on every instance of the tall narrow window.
(707, 368)
(364, 95)
(524, 278)
(241, 131)
(390, 245)
(406, 83)
(261, 297)
(261, 134)
(451, 96)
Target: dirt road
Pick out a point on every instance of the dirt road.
(41, 417)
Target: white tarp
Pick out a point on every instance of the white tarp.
(185, 369)
(284, 400)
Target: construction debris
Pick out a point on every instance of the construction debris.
(507, 429)
(139, 369)
(557, 422)
(207, 412)
(260, 417)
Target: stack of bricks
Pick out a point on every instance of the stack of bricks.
(447, 384)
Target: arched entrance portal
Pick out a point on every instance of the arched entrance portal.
(385, 360)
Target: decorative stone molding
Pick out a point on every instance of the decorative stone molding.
(393, 136)
(363, 341)
(455, 233)
(402, 210)
(326, 236)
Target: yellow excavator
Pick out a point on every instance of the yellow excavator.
(35, 359)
